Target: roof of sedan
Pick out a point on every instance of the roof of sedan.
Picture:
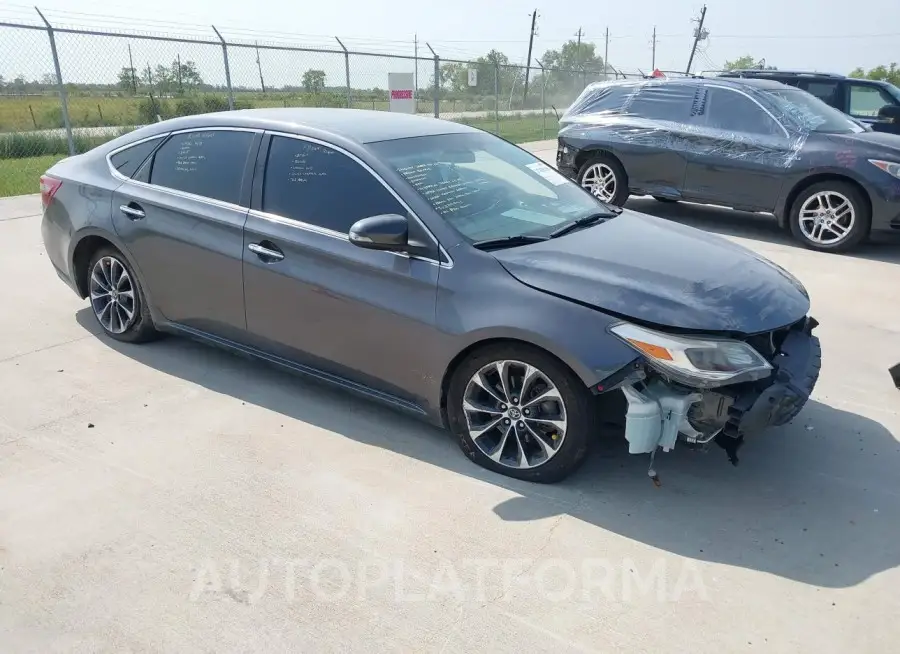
(359, 125)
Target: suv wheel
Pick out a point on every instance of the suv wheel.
(830, 217)
(117, 300)
(604, 177)
(519, 412)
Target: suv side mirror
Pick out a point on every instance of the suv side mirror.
(890, 112)
(384, 232)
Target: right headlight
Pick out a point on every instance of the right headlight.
(890, 167)
(698, 362)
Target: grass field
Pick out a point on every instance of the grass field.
(20, 176)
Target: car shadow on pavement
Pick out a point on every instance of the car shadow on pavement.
(816, 501)
(757, 226)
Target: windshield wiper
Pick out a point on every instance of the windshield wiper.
(508, 241)
(586, 221)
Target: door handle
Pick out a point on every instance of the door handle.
(133, 211)
(267, 254)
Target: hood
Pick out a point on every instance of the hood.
(662, 273)
(880, 140)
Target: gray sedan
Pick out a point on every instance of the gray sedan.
(436, 268)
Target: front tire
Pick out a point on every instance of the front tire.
(518, 411)
(117, 299)
(604, 178)
(830, 216)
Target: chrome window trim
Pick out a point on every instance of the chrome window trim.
(172, 191)
(333, 233)
(754, 101)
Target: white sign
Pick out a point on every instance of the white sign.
(473, 77)
(401, 87)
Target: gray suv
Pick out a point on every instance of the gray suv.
(438, 269)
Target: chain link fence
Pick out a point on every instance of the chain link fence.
(64, 90)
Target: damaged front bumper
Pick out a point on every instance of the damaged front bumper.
(662, 411)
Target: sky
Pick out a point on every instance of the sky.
(824, 35)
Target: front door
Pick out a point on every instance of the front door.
(314, 298)
(182, 219)
(740, 153)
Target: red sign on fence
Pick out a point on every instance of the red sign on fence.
(402, 94)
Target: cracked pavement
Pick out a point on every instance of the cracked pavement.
(171, 497)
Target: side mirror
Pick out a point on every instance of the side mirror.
(385, 232)
(890, 112)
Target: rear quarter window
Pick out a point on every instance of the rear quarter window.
(127, 161)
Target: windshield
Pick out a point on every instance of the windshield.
(805, 112)
(487, 188)
(893, 91)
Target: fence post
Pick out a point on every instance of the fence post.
(227, 70)
(437, 82)
(543, 95)
(497, 96)
(346, 70)
(63, 99)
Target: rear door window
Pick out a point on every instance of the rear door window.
(127, 161)
(208, 163)
(731, 111)
(866, 100)
(827, 92)
(664, 102)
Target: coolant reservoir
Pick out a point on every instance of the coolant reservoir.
(643, 422)
(674, 407)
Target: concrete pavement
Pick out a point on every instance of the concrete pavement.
(171, 497)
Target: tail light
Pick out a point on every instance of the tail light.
(49, 187)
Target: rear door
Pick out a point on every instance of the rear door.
(741, 152)
(182, 215)
(654, 142)
(313, 297)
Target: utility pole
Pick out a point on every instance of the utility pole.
(262, 82)
(578, 58)
(133, 76)
(528, 60)
(653, 66)
(699, 34)
(606, 56)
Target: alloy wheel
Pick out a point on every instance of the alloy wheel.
(827, 217)
(600, 180)
(113, 295)
(515, 414)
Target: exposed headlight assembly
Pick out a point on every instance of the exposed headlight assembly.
(890, 167)
(696, 362)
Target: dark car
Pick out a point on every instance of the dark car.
(874, 102)
(749, 144)
(438, 269)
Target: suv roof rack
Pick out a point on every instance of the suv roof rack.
(775, 73)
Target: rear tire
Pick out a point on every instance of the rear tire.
(506, 427)
(830, 216)
(604, 178)
(117, 298)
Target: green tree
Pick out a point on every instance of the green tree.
(129, 80)
(748, 62)
(574, 56)
(570, 69)
(314, 81)
(184, 76)
(890, 73)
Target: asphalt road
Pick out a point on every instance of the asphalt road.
(171, 497)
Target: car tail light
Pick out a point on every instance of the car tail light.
(49, 187)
